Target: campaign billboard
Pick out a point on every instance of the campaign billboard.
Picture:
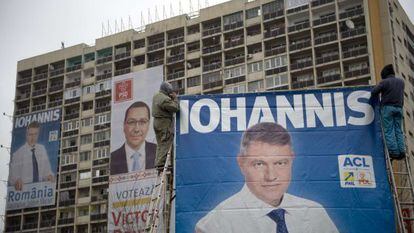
(288, 161)
(34, 160)
(133, 148)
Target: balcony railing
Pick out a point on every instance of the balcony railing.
(355, 52)
(320, 2)
(48, 223)
(100, 179)
(211, 31)
(234, 61)
(213, 84)
(103, 109)
(233, 43)
(38, 92)
(73, 68)
(356, 73)
(102, 161)
(326, 59)
(323, 20)
(54, 103)
(68, 184)
(329, 78)
(175, 58)
(155, 63)
(95, 217)
(233, 25)
(38, 107)
(175, 75)
(102, 93)
(300, 65)
(122, 55)
(298, 27)
(325, 39)
(72, 100)
(22, 81)
(122, 71)
(174, 41)
(56, 88)
(155, 46)
(64, 221)
(57, 72)
(22, 111)
(275, 32)
(40, 77)
(351, 13)
(69, 167)
(105, 59)
(297, 9)
(103, 76)
(71, 116)
(300, 45)
(67, 202)
(73, 84)
(275, 51)
(353, 32)
(23, 96)
(212, 49)
(212, 66)
(272, 15)
(302, 84)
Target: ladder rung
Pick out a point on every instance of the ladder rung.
(403, 187)
(401, 173)
(407, 203)
(408, 219)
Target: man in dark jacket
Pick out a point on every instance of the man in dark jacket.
(392, 101)
(164, 105)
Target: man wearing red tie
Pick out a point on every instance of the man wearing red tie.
(262, 205)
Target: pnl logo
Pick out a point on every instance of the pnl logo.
(356, 171)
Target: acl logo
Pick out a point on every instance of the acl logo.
(356, 171)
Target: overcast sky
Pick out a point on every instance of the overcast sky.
(30, 28)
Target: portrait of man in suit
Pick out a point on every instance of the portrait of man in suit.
(136, 154)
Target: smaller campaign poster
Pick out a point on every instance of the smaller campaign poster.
(33, 162)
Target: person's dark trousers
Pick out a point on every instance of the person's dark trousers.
(164, 135)
(394, 137)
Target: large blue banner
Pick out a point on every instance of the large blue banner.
(33, 161)
(294, 161)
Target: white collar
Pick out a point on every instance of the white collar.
(129, 151)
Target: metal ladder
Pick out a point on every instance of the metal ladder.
(159, 194)
(401, 181)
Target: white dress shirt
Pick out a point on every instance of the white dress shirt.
(244, 212)
(21, 166)
(129, 152)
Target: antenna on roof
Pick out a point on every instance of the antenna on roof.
(62, 44)
(191, 6)
(180, 9)
(142, 21)
(103, 30)
(164, 13)
(109, 28)
(149, 16)
(130, 23)
(171, 10)
(156, 14)
(206, 3)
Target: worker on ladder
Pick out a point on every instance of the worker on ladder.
(391, 89)
(164, 105)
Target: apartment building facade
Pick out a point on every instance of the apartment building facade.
(234, 47)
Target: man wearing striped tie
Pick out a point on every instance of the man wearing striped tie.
(262, 205)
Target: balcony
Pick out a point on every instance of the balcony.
(325, 38)
(299, 45)
(103, 76)
(326, 59)
(100, 179)
(233, 25)
(275, 32)
(175, 58)
(122, 55)
(276, 70)
(155, 46)
(38, 107)
(103, 109)
(212, 31)
(155, 63)
(23, 96)
(23, 111)
(356, 73)
(122, 71)
(175, 75)
(233, 43)
(40, 77)
(302, 84)
(212, 49)
(174, 41)
(102, 93)
(69, 168)
(299, 26)
(99, 162)
(55, 103)
(102, 126)
(97, 217)
(29, 225)
(68, 184)
(353, 32)
(57, 72)
(72, 100)
(213, 84)
(300, 65)
(212, 66)
(355, 52)
(272, 15)
(323, 20)
(101, 143)
(297, 9)
(54, 88)
(67, 202)
(74, 67)
(234, 61)
(103, 197)
(64, 221)
(25, 80)
(329, 78)
(73, 84)
(71, 116)
(38, 92)
(351, 13)
(47, 223)
(105, 59)
(320, 2)
(275, 51)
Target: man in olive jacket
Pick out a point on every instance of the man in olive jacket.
(164, 105)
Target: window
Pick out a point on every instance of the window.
(89, 57)
(235, 89)
(86, 139)
(252, 13)
(330, 72)
(102, 119)
(84, 156)
(255, 67)
(277, 80)
(275, 62)
(255, 86)
(195, 46)
(70, 125)
(102, 136)
(193, 29)
(211, 77)
(101, 153)
(193, 81)
(304, 77)
(103, 86)
(139, 44)
(233, 18)
(88, 89)
(84, 175)
(69, 142)
(273, 7)
(72, 93)
(67, 159)
(234, 72)
(87, 122)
